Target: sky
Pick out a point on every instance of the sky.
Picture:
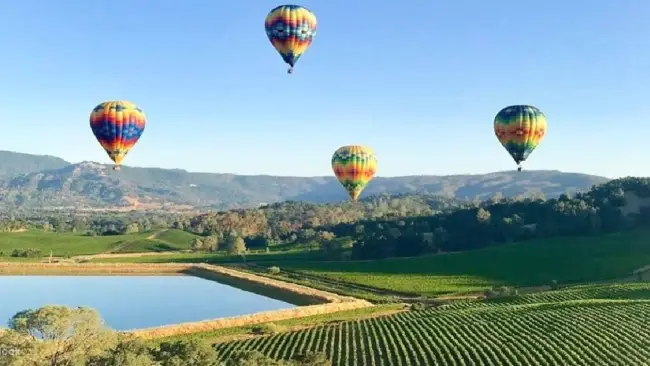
(419, 81)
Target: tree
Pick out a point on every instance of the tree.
(326, 235)
(61, 336)
(196, 244)
(252, 358)
(211, 243)
(59, 224)
(237, 246)
(185, 353)
(256, 358)
(128, 352)
(311, 359)
(57, 335)
(483, 215)
(132, 228)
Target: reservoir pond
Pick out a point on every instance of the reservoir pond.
(133, 302)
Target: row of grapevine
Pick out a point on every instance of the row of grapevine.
(590, 332)
(622, 291)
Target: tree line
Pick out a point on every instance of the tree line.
(618, 205)
(384, 226)
(278, 223)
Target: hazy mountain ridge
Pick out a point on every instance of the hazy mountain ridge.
(33, 181)
(14, 163)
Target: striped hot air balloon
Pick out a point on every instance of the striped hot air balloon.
(117, 125)
(354, 166)
(520, 129)
(290, 29)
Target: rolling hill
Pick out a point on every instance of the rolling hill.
(578, 259)
(62, 244)
(32, 181)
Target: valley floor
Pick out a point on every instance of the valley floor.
(582, 301)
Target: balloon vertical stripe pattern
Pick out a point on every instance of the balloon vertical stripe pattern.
(117, 125)
(520, 129)
(354, 167)
(291, 29)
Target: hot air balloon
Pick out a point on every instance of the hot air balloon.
(290, 29)
(520, 128)
(117, 125)
(354, 166)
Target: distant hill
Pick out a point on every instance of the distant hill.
(13, 163)
(32, 181)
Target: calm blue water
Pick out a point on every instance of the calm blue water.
(131, 302)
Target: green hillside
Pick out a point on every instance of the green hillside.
(532, 263)
(69, 244)
(604, 325)
(165, 240)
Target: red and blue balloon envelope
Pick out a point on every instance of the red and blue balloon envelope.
(117, 125)
(291, 29)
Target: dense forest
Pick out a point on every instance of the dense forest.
(385, 225)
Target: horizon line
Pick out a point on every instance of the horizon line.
(304, 176)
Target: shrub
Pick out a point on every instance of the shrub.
(274, 270)
(501, 292)
(418, 306)
(26, 253)
(268, 328)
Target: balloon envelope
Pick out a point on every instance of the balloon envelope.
(290, 28)
(354, 166)
(520, 129)
(117, 125)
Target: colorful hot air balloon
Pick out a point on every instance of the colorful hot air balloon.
(354, 166)
(117, 125)
(290, 29)
(520, 128)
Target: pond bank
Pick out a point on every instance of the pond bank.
(32, 268)
(320, 302)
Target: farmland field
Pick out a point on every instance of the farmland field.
(62, 244)
(586, 325)
(532, 263)
(218, 257)
(164, 240)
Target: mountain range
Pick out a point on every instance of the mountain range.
(47, 182)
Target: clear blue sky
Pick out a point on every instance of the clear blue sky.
(419, 81)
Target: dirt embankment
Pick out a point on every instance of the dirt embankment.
(334, 302)
(244, 320)
(127, 255)
(18, 268)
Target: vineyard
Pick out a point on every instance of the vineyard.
(537, 262)
(587, 325)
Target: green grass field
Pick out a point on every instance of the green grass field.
(166, 240)
(62, 244)
(219, 257)
(587, 325)
(533, 263)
